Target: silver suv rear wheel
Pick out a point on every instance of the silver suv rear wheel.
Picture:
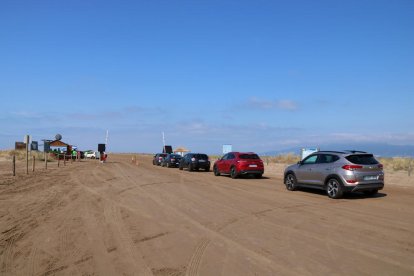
(334, 188)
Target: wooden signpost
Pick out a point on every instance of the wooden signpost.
(26, 140)
(14, 165)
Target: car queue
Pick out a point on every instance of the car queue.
(336, 172)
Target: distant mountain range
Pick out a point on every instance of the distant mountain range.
(383, 150)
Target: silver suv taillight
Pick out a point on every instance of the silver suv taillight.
(351, 167)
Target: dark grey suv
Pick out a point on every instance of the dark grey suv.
(337, 172)
(195, 161)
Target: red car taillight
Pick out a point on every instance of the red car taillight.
(351, 167)
(172, 159)
(380, 166)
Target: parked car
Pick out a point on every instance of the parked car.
(171, 160)
(91, 154)
(337, 172)
(239, 163)
(158, 158)
(195, 161)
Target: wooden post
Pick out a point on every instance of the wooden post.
(34, 163)
(14, 165)
(27, 154)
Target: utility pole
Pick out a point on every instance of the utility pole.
(106, 139)
(163, 138)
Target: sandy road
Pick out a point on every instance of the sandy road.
(121, 219)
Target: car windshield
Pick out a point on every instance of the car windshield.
(201, 156)
(249, 156)
(362, 159)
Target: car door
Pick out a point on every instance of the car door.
(229, 162)
(321, 168)
(184, 161)
(221, 163)
(306, 169)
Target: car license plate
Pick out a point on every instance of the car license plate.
(370, 177)
(253, 166)
(201, 160)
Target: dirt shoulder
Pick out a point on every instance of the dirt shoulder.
(122, 218)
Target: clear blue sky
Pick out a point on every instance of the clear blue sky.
(261, 75)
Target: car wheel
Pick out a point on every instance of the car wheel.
(233, 173)
(370, 192)
(290, 182)
(189, 167)
(334, 188)
(216, 171)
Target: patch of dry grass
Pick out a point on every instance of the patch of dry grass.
(289, 158)
(398, 163)
(21, 154)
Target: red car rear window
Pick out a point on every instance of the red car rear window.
(249, 156)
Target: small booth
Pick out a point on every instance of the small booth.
(55, 151)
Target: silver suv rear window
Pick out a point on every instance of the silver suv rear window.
(362, 159)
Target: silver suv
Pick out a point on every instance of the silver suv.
(337, 172)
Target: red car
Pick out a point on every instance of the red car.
(239, 163)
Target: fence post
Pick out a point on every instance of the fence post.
(27, 156)
(14, 165)
(34, 163)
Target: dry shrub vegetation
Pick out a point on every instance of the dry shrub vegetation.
(289, 158)
(21, 154)
(398, 163)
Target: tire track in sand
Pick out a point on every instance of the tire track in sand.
(115, 224)
(264, 261)
(196, 258)
(112, 214)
